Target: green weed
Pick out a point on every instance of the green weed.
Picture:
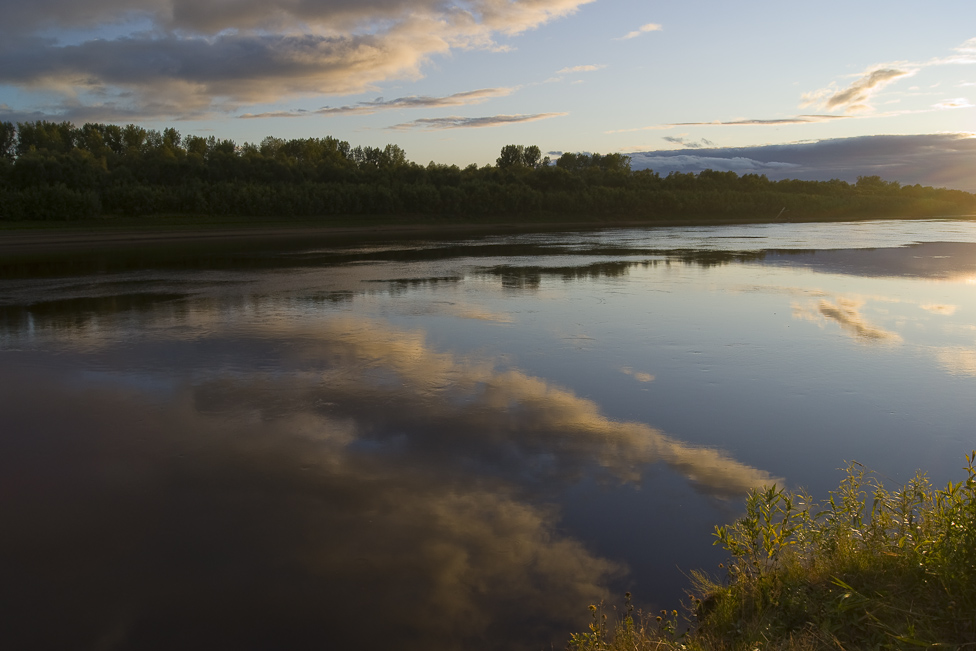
(869, 568)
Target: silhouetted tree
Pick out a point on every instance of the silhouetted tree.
(8, 140)
(519, 156)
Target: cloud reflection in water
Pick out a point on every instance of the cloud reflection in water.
(362, 488)
(846, 312)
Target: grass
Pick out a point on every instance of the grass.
(869, 568)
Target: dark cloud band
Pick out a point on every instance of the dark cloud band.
(941, 160)
(185, 58)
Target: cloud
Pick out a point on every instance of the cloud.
(678, 140)
(663, 163)
(949, 104)
(182, 58)
(191, 76)
(474, 19)
(457, 122)
(589, 68)
(365, 108)
(965, 54)
(969, 47)
(799, 119)
(644, 29)
(857, 96)
(940, 160)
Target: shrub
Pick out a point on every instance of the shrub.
(868, 568)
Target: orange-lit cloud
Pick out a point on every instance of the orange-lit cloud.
(587, 68)
(856, 97)
(643, 29)
(799, 119)
(201, 57)
(459, 122)
(465, 98)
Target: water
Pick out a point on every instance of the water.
(389, 443)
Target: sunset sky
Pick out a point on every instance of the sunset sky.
(671, 83)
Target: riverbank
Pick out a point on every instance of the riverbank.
(41, 236)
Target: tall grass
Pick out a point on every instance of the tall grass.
(869, 568)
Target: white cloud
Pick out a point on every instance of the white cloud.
(643, 29)
(959, 102)
(965, 54)
(693, 163)
(589, 68)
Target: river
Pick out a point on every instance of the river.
(448, 443)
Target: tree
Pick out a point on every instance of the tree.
(531, 156)
(8, 140)
(134, 138)
(91, 137)
(519, 156)
(875, 185)
(53, 137)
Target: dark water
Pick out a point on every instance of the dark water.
(447, 444)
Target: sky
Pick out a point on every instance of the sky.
(785, 89)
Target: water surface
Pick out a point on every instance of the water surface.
(448, 443)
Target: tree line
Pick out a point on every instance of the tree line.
(57, 171)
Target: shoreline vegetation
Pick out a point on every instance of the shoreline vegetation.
(869, 568)
(102, 177)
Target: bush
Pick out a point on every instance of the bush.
(52, 203)
(868, 568)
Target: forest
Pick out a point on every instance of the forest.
(57, 171)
